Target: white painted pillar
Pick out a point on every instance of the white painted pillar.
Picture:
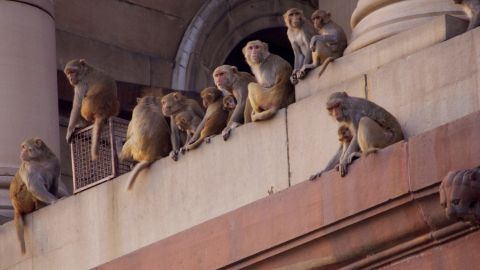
(28, 83)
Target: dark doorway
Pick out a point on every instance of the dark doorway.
(277, 43)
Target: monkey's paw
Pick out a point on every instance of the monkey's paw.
(315, 176)
(226, 133)
(343, 169)
(301, 74)
(174, 155)
(294, 79)
(183, 150)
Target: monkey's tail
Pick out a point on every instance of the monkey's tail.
(324, 65)
(136, 170)
(96, 131)
(20, 230)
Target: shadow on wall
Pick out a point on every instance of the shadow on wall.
(277, 41)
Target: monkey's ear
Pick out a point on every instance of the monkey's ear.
(234, 69)
(344, 94)
(38, 142)
(265, 46)
(328, 16)
(138, 100)
(176, 96)
(82, 61)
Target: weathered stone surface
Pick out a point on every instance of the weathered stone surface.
(312, 133)
(160, 72)
(121, 64)
(453, 146)
(374, 20)
(176, 9)
(105, 222)
(430, 87)
(127, 26)
(368, 59)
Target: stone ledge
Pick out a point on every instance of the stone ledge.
(380, 53)
(374, 208)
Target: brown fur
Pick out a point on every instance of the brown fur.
(95, 99)
(299, 33)
(215, 118)
(148, 136)
(229, 79)
(328, 44)
(273, 90)
(373, 126)
(35, 184)
(173, 104)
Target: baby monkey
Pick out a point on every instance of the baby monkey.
(344, 137)
(35, 184)
(215, 118)
(188, 123)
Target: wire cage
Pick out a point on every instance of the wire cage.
(88, 173)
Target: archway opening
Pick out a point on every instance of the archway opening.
(277, 43)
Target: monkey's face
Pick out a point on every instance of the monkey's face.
(229, 103)
(222, 79)
(31, 149)
(294, 18)
(255, 52)
(75, 71)
(209, 96)
(335, 109)
(320, 18)
(171, 103)
(181, 122)
(344, 134)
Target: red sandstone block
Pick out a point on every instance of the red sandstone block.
(452, 146)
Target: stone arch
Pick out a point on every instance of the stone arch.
(217, 28)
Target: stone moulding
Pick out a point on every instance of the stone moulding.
(376, 215)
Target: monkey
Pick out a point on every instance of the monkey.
(229, 79)
(472, 10)
(35, 184)
(329, 43)
(215, 118)
(372, 127)
(229, 103)
(173, 104)
(460, 195)
(344, 137)
(299, 33)
(273, 90)
(187, 122)
(94, 101)
(148, 136)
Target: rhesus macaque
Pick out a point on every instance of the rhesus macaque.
(229, 79)
(94, 101)
(472, 10)
(273, 90)
(148, 136)
(328, 44)
(187, 122)
(372, 126)
(344, 137)
(173, 104)
(229, 103)
(460, 195)
(35, 184)
(215, 118)
(299, 33)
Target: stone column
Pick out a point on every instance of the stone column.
(374, 20)
(28, 82)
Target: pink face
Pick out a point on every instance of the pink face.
(295, 18)
(72, 75)
(255, 52)
(221, 79)
(335, 110)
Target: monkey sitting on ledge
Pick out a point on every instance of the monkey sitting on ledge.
(95, 99)
(372, 126)
(35, 184)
